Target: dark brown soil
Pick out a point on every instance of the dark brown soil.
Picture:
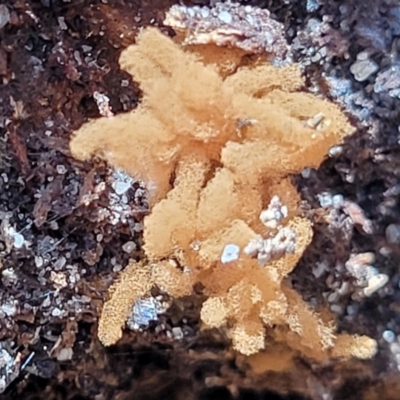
(54, 55)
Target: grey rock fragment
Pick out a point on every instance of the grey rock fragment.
(177, 333)
(393, 233)
(388, 81)
(230, 24)
(65, 354)
(364, 67)
(4, 15)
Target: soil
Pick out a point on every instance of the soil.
(54, 55)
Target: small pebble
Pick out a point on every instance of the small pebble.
(312, 5)
(395, 348)
(65, 354)
(138, 227)
(128, 247)
(121, 187)
(389, 336)
(306, 173)
(38, 261)
(18, 240)
(61, 169)
(325, 200)
(144, 311)
(337, 200)
(333, 297)
(177, 333)
(337, 309)
(62, 24)
(362, 69)
(335, 151)
(393, 233)
(375, 283)
(230, 253)
(352, 309)
(56, 312)
(9, 309)
(86, 48)
(4, 15)
(225, 17)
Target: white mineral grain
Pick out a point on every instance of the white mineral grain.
(375, 283)
(230, 253)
